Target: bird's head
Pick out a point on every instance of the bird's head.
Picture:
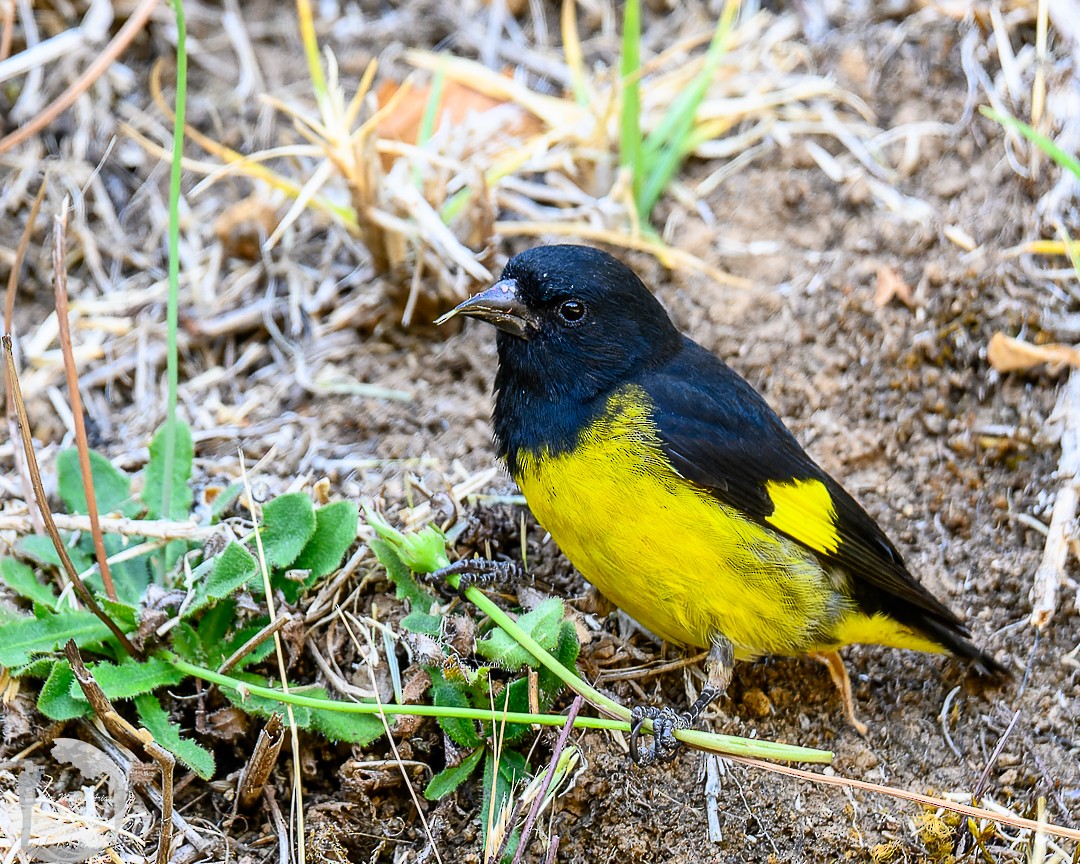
(573, 321)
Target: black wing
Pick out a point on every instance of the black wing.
(720, 434)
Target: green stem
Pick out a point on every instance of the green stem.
(719, 743)
(171, 359)
(702, 740)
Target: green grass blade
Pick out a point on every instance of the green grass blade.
(630, 115)
(174, 256)
(668, 146)
(1047, 145)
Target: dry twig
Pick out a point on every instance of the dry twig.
(1051, 572)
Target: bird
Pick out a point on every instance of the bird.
(678, 493)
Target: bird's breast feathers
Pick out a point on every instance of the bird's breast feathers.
(681, 562)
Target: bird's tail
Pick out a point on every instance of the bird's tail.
(956, 640)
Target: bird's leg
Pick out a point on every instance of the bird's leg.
(718, 668)
(838, 672)
(479, 571)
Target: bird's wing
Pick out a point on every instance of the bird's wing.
(721, 435)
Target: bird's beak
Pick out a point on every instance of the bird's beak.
(502, 306)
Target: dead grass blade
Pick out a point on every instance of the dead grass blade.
(95, 70)
(43, 504)
(916, 798)
(72, 374)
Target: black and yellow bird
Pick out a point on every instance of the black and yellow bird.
(677, 492)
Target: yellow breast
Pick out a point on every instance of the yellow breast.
(669, 553)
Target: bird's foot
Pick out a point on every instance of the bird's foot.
(665, 722)
(838, 672)
(665, 746)
(479, 571)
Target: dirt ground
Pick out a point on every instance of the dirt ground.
(896, 400)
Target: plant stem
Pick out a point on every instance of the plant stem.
(703, 740)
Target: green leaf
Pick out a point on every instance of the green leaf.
(566, 652)
(40, 547)
(515, 697)
(179, 472)
(422, 551)
(187, 644)
(422, 623)
(132, 677)
(233, 569)
(55, 700)
(167, 734)
(359, 729)
(288, 524)
(21, 579)
(451, 694)
(447, 780)
(40, 668)
(126, 615)
(335, 531)
(21, 638)
(401, 577)
(542, 624)
(112, 487)
(239, 639)
(667, 147)
(132, 576)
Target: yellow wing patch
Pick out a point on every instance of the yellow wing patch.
(803, 509)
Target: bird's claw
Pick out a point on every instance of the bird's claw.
(478, 571)
(665, 746)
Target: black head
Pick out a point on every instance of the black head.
(573, 322)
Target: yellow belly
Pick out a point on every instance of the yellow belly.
(677, 560)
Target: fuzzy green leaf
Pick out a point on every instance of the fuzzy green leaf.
(132, 677)
(217, 650)
(55, 700)
(288, 524)
(187, 644)
(447, 780)
(167, 734)
(335, 530)
(21, 579)
(542, 624)
(180, 498)
(124, 614)
(40, 547)
(21, 638)
(233, 569)
(451, 694)
(422, 623)
(359, 729)
(40, 668)
(112, 487)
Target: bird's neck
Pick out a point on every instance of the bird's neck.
(531, 419)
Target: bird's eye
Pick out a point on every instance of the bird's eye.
(572, 311)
